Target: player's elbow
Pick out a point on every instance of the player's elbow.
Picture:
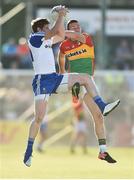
(61, 34)
(61, 31)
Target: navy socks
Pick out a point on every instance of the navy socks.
(101, 104)
(29, 149)
(30, 144)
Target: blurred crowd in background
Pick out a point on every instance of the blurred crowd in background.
(122, 56)
(110, 22)
(15, 55)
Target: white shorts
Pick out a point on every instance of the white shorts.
(62, 88)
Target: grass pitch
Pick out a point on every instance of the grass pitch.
(58, 163)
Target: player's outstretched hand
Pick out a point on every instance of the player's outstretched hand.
(61, 10)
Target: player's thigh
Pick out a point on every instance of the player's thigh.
(76, 77)
(65, 83)
(40, 108)
(69, 79)
(63, 87)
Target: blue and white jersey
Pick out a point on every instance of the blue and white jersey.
(42, 53)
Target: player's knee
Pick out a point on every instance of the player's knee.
(86, 78)
(39, 118)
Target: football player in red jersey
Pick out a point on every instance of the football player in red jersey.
(78, 49)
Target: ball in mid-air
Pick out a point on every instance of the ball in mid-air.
(54, 12)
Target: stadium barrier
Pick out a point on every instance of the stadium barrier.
(16, 103)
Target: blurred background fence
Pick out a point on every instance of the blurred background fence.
(16, 102)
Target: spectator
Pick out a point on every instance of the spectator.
(24, 55)
(123, 58)
(10, 58)
(80, 127)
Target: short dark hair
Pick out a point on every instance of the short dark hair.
(38, 23)
(70, 22)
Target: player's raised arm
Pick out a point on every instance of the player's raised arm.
(58, 30)
(75, 36)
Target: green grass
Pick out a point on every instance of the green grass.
(57, 162)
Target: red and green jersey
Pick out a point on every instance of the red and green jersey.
(80, 55)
